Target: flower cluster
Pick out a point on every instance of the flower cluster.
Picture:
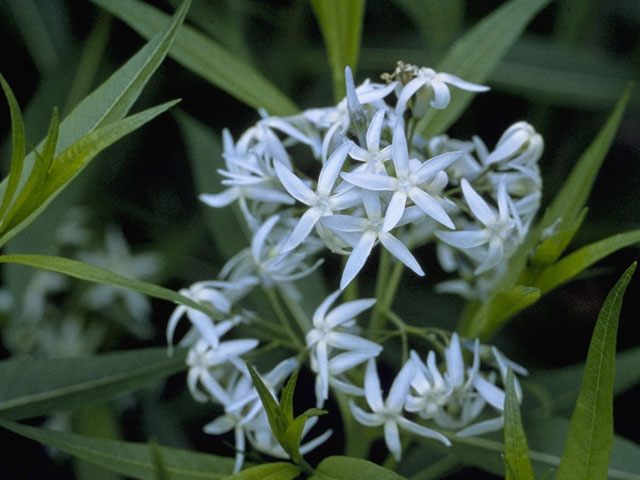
(376, 181)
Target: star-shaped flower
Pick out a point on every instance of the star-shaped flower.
(326, 336)
(408, 182)
(321, 202)
(388, 413)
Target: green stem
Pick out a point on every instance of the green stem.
(402, 328)
(282, 317)
(351, 292)
(299, 315)
(388, 295)
(381, 284)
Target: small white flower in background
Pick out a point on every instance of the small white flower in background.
(388, 413)
(427, 85)
(267, 260)
(202, 359)
(117, 257)
(326, 337)
(218, 295)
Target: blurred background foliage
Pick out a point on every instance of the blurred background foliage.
(563, 76)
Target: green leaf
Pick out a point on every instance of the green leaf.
(545, 438)
(571, 199)
(277, 421)
(95, 420)
(286, 397)
(135, 460)
(71, 162)
(205, 57)
(555, 244)
(292, 436)
(33, 386)
(590, 436)
(90, 273)
(267, 471)
(18, 147)
(347, 468)
(475, 55)
(108, 103)
(501, 306)
(577, 261)
(563, 384)
(516, 450)
(439, 21)
(162, 473)
(29, 196)
(341, 25)
(112, 99)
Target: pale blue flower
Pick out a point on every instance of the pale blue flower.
(388, 413)
(408, 182)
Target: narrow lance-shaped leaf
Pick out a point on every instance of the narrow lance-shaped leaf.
(135, 460)
(341, 25)
(574, 263)
(590, 436)
(277, 421)
(34, 386)
(476, 54)
(91, 273)
(29, 196)
(71, 162)
(108, 103)
(205, 57)
(18, 147)
(516, 450)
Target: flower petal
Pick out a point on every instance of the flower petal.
(400, 251)
(357, 258)
(480, 209)
(296, 187)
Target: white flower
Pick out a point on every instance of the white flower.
(267, 260)
(431, 85)
(117, 257)
(373, 157)
(248, 174)
(519, 147)
(363, 233)
(321, 202)
(496, 232)
(219, 296)
(407, 182)
(326, 336)
(202, 359)
(389, 412)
